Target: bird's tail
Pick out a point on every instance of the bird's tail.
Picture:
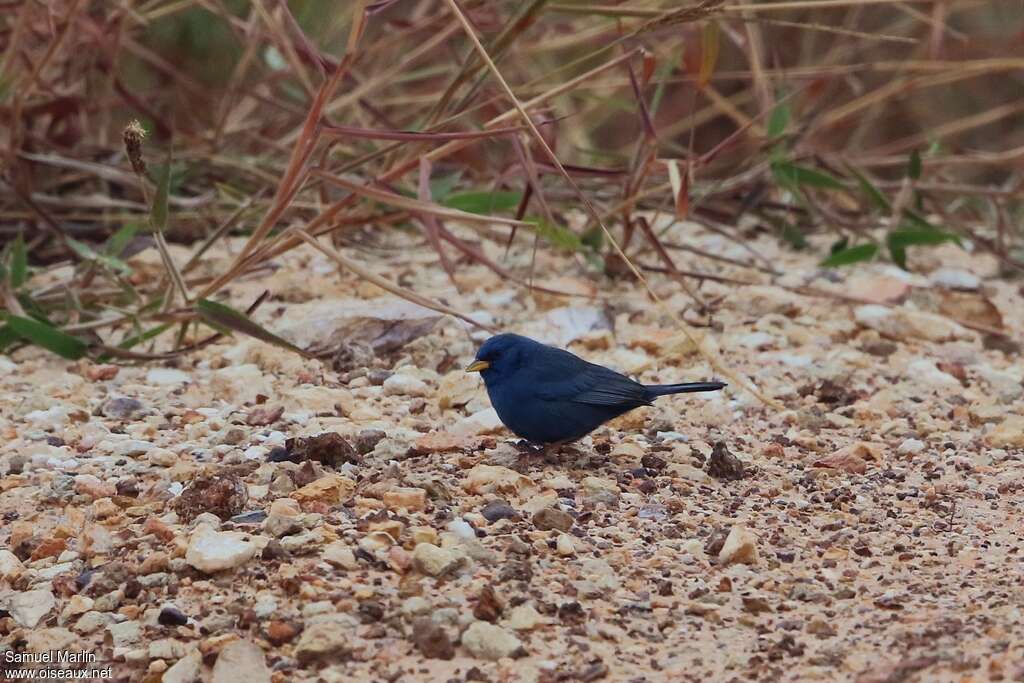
(685, 388)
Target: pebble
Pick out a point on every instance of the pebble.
(431, 639)
(462, 529)
(740, 547)
(955, 279)
(185, 670)
(597, 490)
(552, 518)
(565, 545)
(121, 408)
(406, 498)
(132, 448)
(167, 376)
(125, 633)
(481, 422)
(162, 457)
(330, 488)
(523, 618)
(90, 485)
(281, 632)
(899, 323)
(495, 479)
(171, 616)
(1008, 434)
(367, 440)
(10, 566)
(496, 510)
(490, 642)
(28, 608)
(339, 554)
(325, 641)
(405, 385)
(241, 661)
(433, 561)
(212, 551)
(911, 446)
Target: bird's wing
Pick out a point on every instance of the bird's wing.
(581, 382)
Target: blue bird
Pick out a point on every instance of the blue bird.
(550, 396)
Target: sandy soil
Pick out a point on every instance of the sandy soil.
(168, 519)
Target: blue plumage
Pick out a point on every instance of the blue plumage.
(547, 395)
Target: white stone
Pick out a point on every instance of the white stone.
(185, 670)
(434, 561)
(10, 565)
(740, 547)
(240, 383)
(241, 661)
(211, 551)
(490, 642)
(482, 422)
(162, 376)
(955, 279)
(28, 608)
(911, 446)
(132, 448)
(161, 457)
(924, 371)
(523, 618)
(401, 384)
(461, 528)
(124, 634)
(565, 545)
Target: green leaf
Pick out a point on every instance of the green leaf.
(898, 240)
(134, 340)
(909, 237)
(557, 236)
(793, 175)
(224, 317)
(483, 202)
(19, 262)
(779, 120)
(790, 233)
(48, 337)
(87, 253)
(914, 165)
(593, 238)
(914, 220)
(117, 242)
(873, 193)
(845, 257)
(7, 337)
(158, 215)
(443, 186)
(898, 255)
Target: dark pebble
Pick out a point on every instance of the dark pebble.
(368, 439)
(723, 465)
(254, 517)
(172, 616)
(498, 509)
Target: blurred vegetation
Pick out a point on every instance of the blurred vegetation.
(886, 126)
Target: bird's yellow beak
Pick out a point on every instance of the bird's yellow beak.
(478, 366)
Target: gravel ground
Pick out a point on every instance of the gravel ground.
(246, 515)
